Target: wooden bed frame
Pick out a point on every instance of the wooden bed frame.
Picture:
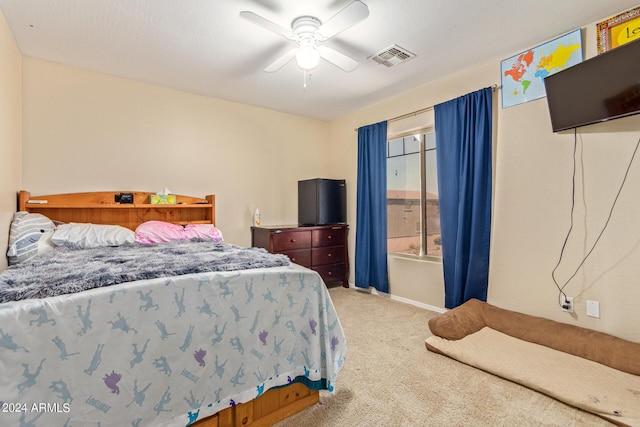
(101, 208)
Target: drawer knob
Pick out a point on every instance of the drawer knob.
(329, 255)
(293, 240)
(330, 273)
(329, 237)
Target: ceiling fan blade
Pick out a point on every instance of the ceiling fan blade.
(338, 59)
(282, 61)
(267, 25)
(355, 12)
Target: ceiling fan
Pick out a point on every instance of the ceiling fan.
(308, 32)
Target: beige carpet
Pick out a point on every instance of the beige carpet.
(391, 379)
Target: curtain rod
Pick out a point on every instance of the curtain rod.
(423, 110)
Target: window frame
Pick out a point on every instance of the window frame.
(423, 189)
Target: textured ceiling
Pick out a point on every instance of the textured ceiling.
(205, 47)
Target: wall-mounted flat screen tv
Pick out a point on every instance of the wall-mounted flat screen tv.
(601, 88)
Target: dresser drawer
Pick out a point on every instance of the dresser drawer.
(301, 257)
(322, 248)
(286, 241)
(327, 255)
(331, 273)
(333, 236)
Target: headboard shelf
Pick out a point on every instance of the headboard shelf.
(30, 206)
(101, 208)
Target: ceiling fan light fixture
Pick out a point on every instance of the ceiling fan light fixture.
(308, 56)
(308, 32)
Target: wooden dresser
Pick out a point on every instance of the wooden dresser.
(322, 248)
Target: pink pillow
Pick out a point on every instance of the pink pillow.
(151, 232)
(206, 231)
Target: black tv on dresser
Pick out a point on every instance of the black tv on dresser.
(322, 201)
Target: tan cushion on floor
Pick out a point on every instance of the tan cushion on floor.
(459, 322)
(591, 386)
(592, 345)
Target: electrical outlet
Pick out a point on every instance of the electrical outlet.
(566, 303)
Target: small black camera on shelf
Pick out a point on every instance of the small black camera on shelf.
(124, 198)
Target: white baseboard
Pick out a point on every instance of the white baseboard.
(420, 304)
(374, 291)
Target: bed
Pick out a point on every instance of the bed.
(214, 347)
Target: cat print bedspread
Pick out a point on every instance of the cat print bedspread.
(166, 351)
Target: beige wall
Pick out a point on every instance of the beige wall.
(85, 131)
(10, 131)
(532, 202)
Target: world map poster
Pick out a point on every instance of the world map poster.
(522, 75)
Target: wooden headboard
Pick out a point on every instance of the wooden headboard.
(102, 208)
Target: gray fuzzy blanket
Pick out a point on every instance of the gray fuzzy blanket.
(66, 270)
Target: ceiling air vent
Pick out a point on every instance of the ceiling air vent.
(393, 55)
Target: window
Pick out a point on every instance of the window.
(413, 214)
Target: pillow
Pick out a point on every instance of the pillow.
(85, 236)
(205, 231)
(45, 244)
(26, 231)
(151, 232)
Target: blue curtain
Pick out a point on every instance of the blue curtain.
(371, 209)
(463, 150)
